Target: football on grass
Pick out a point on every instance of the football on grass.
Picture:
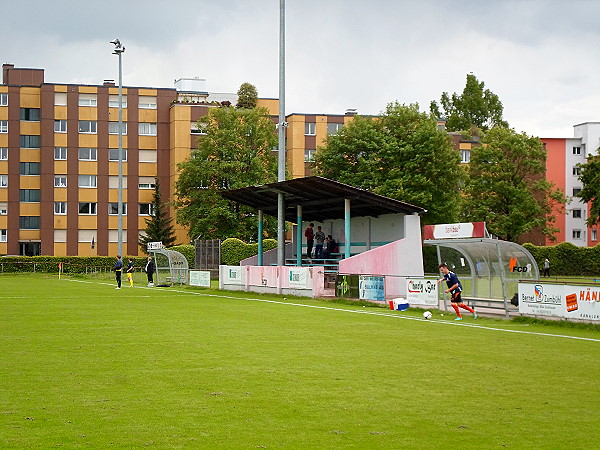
(427, 314)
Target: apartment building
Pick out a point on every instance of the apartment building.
(59, 158)
(564, 156)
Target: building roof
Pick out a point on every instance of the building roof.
(320, 198)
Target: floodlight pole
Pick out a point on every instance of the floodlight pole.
(119, 49)
(281, 134)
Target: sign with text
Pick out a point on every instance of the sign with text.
(233, 275)
(200, 278)
(155, 246)
(420, 291)
(454, 230)
(571, 302)
(371, 288)
(299, 277)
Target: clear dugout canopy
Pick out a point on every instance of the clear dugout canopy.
(494, 267)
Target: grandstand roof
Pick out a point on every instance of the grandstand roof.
(320, 198)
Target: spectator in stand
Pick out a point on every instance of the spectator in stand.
(319, 241)
(309, 234)
(330, 247)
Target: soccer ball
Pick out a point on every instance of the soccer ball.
(427, 315)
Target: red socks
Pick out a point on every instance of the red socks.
(463, 306)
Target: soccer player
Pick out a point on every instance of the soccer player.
(118, 268)
(130, 270)
(455, 288)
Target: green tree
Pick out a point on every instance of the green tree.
(476, 106)
(237, 151)
(590, 178)
(158, 226)
(247, 96)
(507, 187)
(400, 154)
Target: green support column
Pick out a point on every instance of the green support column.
(347, 227)
(260, 237)
(299, 235)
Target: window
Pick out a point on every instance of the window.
(198, 128)
(333, 128)
(576, 191)
(3, 126)
(88, 154)
(147, 129)
(60, 98)
(594, 235)
(29, 222)
(113, 182)
(147, 156)
(60, 208)
(60, 235)
(465, 156)
(87, 181)
(87, 126)
(60, 153)
(577, 214)
(29, 141)
(30, 114)
(113, 127)
(146, 102)
(29, 168)
(29, 195)
(146, 209)
(310, 128)
(60, 181)
(113, 208)
(3, 153)
(60, 126)
(88, 100)
(3, 209)
(576, 234)
(309, 155)
(576, 170)
(113, 154)
(3, 181)
(147, 183)
(577, 150)
(88, 209)
(2, 235)
(113, 101)
(3, 98)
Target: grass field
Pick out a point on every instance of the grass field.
(83, 365)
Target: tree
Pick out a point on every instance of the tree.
(237, 151)
(402, 155)
(247, 96)
(590, 177)
(507, 187)
(158, 226)
(474, 107)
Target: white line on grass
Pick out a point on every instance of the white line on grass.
(358, 311)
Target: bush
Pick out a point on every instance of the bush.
(234, 250)
(567, 259)
(188, 251)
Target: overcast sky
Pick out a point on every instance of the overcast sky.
(541, 57)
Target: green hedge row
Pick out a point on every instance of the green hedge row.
(234, 250)
(567, 259)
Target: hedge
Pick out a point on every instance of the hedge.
(567, 259)
(234, 250)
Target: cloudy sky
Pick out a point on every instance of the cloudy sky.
(541, 57)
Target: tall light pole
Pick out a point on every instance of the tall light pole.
(119, 49)
(281, 150)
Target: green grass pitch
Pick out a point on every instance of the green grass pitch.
(83, 365)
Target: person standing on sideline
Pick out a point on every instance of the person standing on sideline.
(150, 271)
(310, 239)
(130, 270)
(118, 268)
(319, 241)
(455, 288)
(547, 267)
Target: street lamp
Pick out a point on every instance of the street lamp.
(119, 49)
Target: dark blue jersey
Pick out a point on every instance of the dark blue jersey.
(451, 280)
